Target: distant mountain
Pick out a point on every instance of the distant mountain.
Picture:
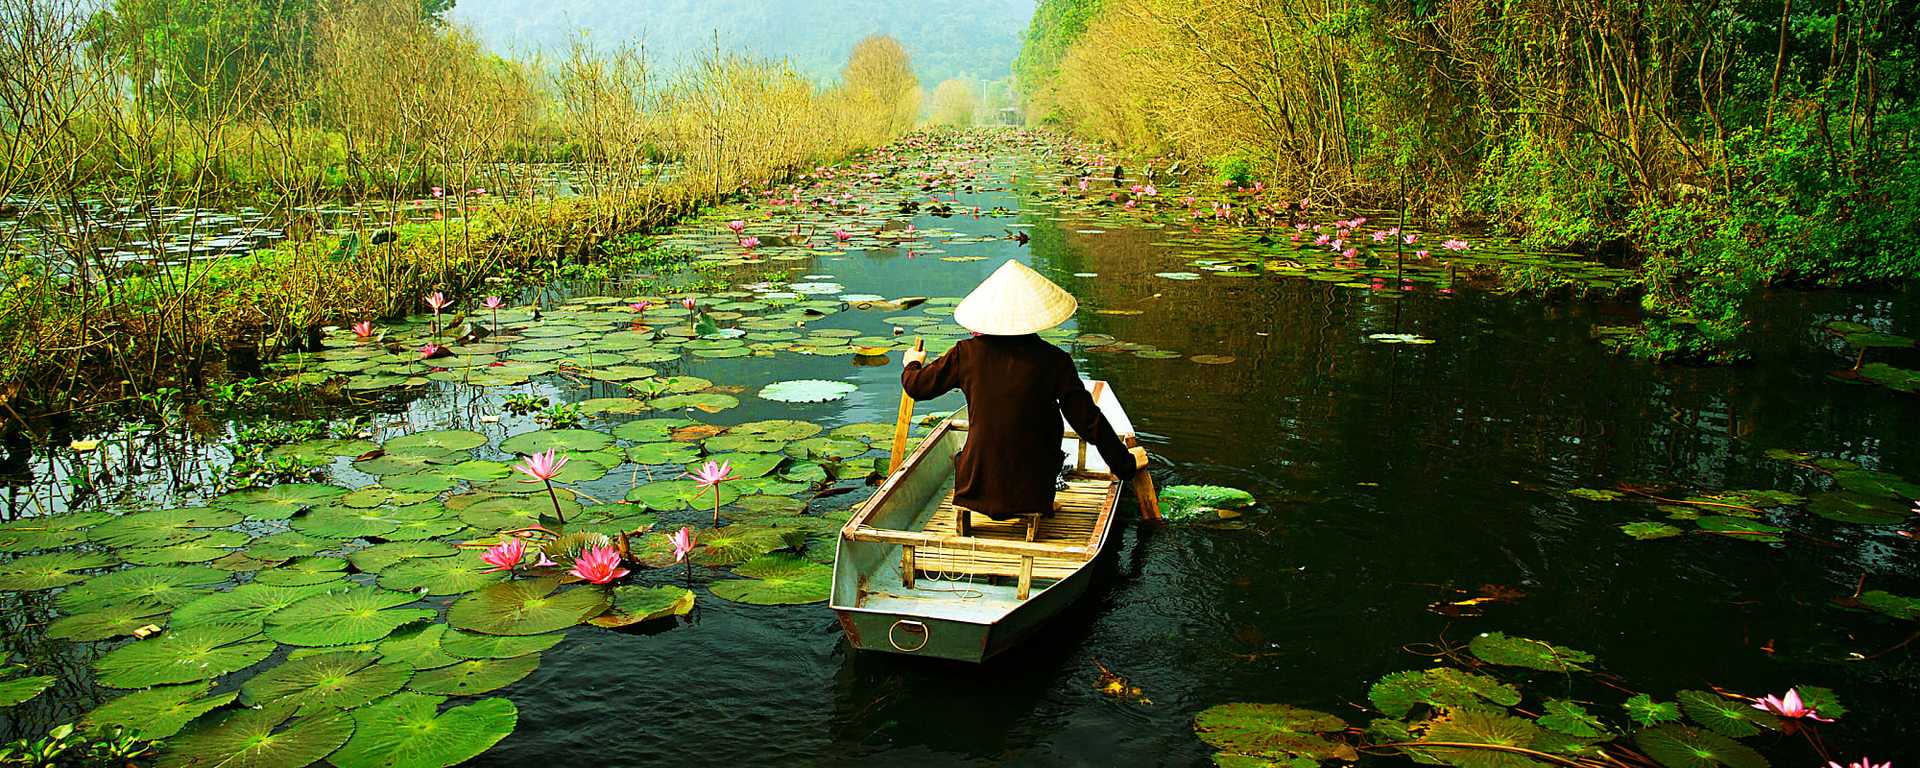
(946, 38)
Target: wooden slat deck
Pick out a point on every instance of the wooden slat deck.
(1083, 507)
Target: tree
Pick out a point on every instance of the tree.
(954, 103)
(879, 76)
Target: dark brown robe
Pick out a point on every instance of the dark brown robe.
(1017, 388)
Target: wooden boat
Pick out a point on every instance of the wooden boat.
(905, 580)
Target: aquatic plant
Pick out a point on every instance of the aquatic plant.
(504, 556)
(363, 329)
(542, 468)
(711, 475)
(598, 565)
(493, 304)
(1789, 706)
(683, 542)
(437, 301)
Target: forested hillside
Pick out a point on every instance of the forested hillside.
(946, 39)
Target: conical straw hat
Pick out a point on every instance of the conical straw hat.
(1015, 300)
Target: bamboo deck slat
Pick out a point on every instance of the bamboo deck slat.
(1083, 507)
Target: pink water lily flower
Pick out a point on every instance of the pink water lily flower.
(712, 475)
(430, 351)
(736, 225)
(640, 306)
(439, 192)
(504, 556)
(541, 467)
(683, 542)
(492, 302)
(438, 301)
(1454, 245)
(1150, 191)
(688, 303)
(1863, 762)
(1083, 185)
(749, 242)
(1410, 239)
(1789, 706)
(842, 235)
(363, 329)
(598, 565)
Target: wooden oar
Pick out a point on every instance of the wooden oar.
(901, 422)
(1143, 486)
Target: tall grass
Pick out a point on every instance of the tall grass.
(380, 104)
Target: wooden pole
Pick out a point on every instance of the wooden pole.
(1143, 486)
(903, 420)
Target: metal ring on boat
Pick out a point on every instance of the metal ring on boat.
(925, 635)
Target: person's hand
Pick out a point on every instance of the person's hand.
(1139, 457)
(915, 356)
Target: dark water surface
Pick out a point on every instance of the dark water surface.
(1391, 477)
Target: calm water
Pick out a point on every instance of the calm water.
(1391, 477)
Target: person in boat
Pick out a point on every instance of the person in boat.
(1017, 387)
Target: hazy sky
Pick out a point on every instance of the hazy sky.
(946, 38)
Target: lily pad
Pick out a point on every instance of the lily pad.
(1871, 483)
(380, 557)
(354, 615)
(248, 604)
(1642, 709)
(1398, 693)
(1477, 726)
(442, 440)
(1498, 648)
(526, 607)
(53, 569)
(106, 623)
(1740, 528)
(165, 586)
(1646, 530)
(470, 645)
(1859, 508)
(327, 681)
(777, 579)
(806, 391)
(279, 502)
(1677, 746)
(635, 605)
(20, 690)
(268, 737)
(439, 576)
(183, 656)
(1273, 732)
(158, 713)
(407, 730)
(1191, 502)
(1727, 717)
(562, 441)
(474, 676)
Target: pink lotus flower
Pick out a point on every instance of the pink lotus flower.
(1410, 239)
(683, 543)
(1323, 240)
(541, 467)
(438, 192)
(1380, 235)
(1350, 254)
(736, 225)
(492, 302)
(712, 475)
(1083, 185)
(1129, 206)
(363, 329)
(438, 301)
(640, 306)
(688, 303)
(1420, 254)
(842, 235)
(429, 351)
(1789, 706)
(1863, 762)
(749, 242)
(1454, 245)
(598, 565)
(504, 556)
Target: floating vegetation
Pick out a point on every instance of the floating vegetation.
(1474, 714)
(1182, 503)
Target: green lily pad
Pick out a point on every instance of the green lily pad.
(650, 430)
(1272, 731)
(634, 605)
(407, 730)
(416, 647)
(1646, 531)
(672, 495)
(157, 713)
(1477, 726)
(526, 607)
(53, 569)
(663, 453)
(248, 604)
(354, 615)
(1498, 648)
(440, 441)
(561, 441)
(474, 676)
(1858, 508)
(268, 737)
(1740, 528)
(1398, 693)
(1897, 379)
(344, 523)
(165, 586)
(1190, 502)
(1571, 719)
(439, 576)
(1677, 746)
(777, 579)
(303, 572)
(705, 402)
(1596, 494)
(470, 645)
(743, 466)
(1897, 606)
(1871, 483)
(213, 546)
(1727, 717)
(737, 544)
(380, 557)
(281, 546)
(341, 680)
(806, 391)
(183, 656)
(279, 502)
(106, 623)
(21, 690)
(1642, 709)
